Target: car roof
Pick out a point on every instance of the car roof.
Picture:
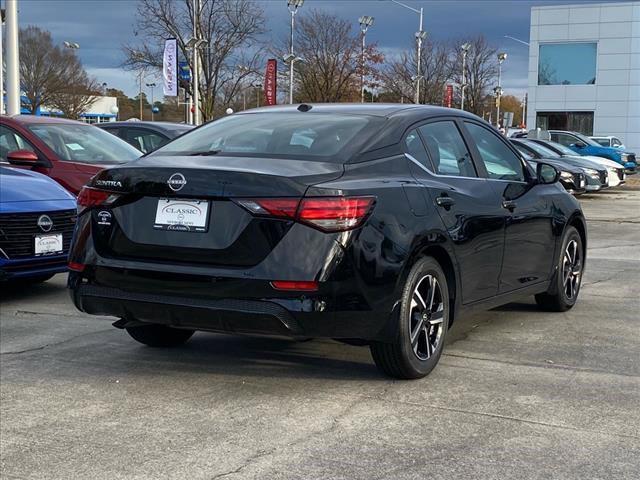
(167, 125)
(39, 119)
(373, 109)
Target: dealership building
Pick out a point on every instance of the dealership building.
(584, 70)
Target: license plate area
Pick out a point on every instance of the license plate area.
(182, 215)
(49, 244)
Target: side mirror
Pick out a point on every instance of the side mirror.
(547, 174)
(25, 158)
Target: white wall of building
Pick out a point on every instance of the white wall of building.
(615, 97)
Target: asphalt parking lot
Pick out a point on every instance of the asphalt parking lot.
(518, 393)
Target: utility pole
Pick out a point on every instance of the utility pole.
(365, 22)
(501, 58)
(13, 58)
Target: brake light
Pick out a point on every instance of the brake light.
(329, 214)
(300, 286)
(335, 214)
(76, 267)
(91, 197)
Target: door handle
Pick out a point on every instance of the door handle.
(445, 202)
(509, 205)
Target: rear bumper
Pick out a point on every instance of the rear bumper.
(230, 305)
(15, 269)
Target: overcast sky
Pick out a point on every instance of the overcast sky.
(101, 27)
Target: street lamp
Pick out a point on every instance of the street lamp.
(420, 36)
(293, 6)
(151, 85)
(365, 22)
(72, 46)
(291, 59)
(465, 47)
(502, 56)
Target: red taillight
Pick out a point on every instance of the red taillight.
(330, 214)
(91, 197)
(76, 267)
(335, 214)
(295, 285)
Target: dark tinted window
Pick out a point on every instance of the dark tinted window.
(416, 149)
(144, 140)
(299, 135)
(501, 163)
(447, 149)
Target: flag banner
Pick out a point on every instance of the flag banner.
(170, 68)
(270, 82)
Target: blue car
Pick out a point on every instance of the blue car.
(37, 218)
(583, 145)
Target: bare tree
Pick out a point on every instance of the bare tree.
(231, 28)
(332, 59)
(399, 76)
(47, 71)
(481, 72)
(77, 96)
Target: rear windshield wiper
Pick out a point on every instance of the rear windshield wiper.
(205, 153)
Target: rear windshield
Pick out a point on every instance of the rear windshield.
(288, 135)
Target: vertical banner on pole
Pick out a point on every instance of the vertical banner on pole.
(448, 98)
(170, 68)
(270, 82)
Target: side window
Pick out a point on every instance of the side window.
(616, 142)
(144, 140)
(415, 148)
(501, 163)
(447, 149)
(10, 141)
(563, 138)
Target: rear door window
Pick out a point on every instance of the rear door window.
(144, 140)
(446, 147)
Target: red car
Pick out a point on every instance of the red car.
(70, 152)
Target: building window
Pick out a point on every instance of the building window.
(572, 121)
(567, 64)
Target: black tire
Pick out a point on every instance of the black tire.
(160, 335)
(563, 296)
(403, 358)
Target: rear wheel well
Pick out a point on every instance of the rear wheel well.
(578, 224)
(443, 258)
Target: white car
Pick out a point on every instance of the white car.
(609, 141)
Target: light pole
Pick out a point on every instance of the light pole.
(151, 86)
(293, 6)
(73, 46)
(420, 36)
(195, 44)
(13, 58)
(502, 56)
(465, 50)
(365, 22)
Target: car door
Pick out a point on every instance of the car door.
(468, 206)
(529, 214)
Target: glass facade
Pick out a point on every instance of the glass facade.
(567, 63)
(572, 121)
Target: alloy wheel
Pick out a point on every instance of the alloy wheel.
(426, 317)
(571, 269)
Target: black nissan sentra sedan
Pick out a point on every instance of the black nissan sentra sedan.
(377, 223)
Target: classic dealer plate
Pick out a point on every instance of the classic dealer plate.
(182, 215)
(51, 243)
